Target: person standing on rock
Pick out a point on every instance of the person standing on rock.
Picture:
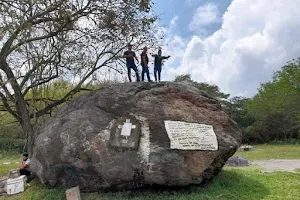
(145, 61)
(130, 55)
(158, 58)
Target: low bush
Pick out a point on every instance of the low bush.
(11, 144)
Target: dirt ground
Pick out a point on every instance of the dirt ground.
(278, 165)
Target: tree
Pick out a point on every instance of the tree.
(45, 40)
(276, 107)
(8, 126)
(239, 112)
(237, 109)
(211, 90)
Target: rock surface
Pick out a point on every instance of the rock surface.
(237, 161)
(2, 185)
(82, 145)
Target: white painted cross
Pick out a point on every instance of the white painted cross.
(126, 128)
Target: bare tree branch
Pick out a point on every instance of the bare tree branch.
(8, 108)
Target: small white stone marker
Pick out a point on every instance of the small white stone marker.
(73, 194)
(132, 127)
(126, 128)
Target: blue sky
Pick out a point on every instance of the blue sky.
(235, 44)
(185, 9)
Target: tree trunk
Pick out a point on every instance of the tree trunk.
(26, 124)
(21, 106)
(28, 132)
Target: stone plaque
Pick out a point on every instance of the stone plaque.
(125, 134)
(73, 194)
(191, 136)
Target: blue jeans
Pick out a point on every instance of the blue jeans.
(133, 66)
(145, 70)
(157, 71)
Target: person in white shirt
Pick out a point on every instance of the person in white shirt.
(24, 164)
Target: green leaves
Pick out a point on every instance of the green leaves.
(281, 95)
(212, 90)
(276, 107)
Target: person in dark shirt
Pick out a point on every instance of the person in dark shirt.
(130, 55)
(158, 58)
(145, 61)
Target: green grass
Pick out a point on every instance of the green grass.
(232, 183)
(297, 170)
(13, 158)
(265, 152)
(36, 191)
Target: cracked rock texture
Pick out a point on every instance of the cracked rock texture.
(81, 145)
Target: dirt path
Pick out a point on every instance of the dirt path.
(278, 165)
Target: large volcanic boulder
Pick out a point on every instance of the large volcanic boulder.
(84, 143)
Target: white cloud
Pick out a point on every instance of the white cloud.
(256, 38)
(175, 46)
(173, 22)
(204, 15)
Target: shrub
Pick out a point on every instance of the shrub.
(11, 144)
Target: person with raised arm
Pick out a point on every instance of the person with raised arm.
(158, 58)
